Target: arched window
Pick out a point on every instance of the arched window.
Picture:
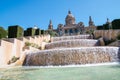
(71, 31)
(76, 30)
(66, 31)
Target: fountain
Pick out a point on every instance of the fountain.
(72, 50)
(63, 57)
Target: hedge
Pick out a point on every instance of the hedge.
(37, 32)
(116, 24)
(30, 32)
(15, 31)
(42, 31)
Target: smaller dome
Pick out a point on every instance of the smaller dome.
(80, 24)
(35, 27)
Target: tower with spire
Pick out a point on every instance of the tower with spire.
(50, 26)
(109, 23)
(91, 23)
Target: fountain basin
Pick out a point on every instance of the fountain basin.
(72, 43)
(68, 56)
(109, 72)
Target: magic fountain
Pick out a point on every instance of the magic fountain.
(72, 50)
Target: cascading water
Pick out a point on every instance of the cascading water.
(72, 43)
(71, 37)
(83, 55)
(72, 51)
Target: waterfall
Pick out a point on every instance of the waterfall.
(72, 50)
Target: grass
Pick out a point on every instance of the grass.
(73, 73)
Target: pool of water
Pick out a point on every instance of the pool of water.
(107, 72)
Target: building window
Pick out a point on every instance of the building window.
(71, 31)
(66, 31)
(76, 30)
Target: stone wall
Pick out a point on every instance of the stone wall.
(5, 51)
(14, 46)
(107, 34)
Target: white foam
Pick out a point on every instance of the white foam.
(83, 65)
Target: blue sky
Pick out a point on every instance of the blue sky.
(28, 13)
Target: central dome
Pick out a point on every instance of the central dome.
(70, 19)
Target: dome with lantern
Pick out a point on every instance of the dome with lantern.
(70, 19)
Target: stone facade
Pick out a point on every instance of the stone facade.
(71, 28)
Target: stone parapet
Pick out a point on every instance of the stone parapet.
(14, 46)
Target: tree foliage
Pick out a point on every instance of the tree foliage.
(52, 33)
(3, 33)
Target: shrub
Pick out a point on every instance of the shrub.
(31, 44)
(109, 41)
(27, 44)
(13, 60)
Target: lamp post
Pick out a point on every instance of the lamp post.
(110, 27)
(103, 32)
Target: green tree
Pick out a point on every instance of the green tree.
(52, 33)
(3, 33)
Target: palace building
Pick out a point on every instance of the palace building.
(71, 27)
